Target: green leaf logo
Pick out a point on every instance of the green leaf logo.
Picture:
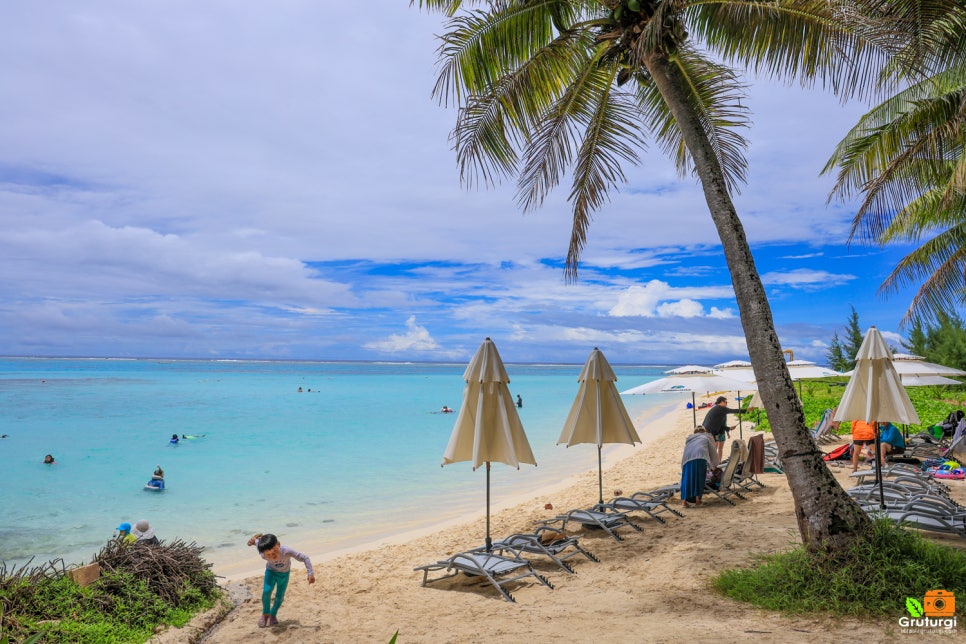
(914, 607)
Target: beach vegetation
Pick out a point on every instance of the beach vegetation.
(842, 351)
(932, 404)
(880, 569)
(140, 590)
(576, 90)
(905, 157)
(943, 342)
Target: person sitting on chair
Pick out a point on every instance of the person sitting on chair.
(890, 442)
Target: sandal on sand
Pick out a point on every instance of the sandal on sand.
(685, 504)
(272, 621)
(263, 621)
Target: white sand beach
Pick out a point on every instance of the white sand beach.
(653, 587)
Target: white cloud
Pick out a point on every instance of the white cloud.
(681, 308)
(804, 278)
(893, 339)
(416, 339)
(660, 299)
(721, 314)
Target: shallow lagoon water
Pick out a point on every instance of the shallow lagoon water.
(355, 456)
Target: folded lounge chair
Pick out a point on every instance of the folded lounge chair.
(546, 541)
(609, 522)
(489, 565)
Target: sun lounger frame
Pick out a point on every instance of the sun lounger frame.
(489, 565)
(609, 522)
(534, 544)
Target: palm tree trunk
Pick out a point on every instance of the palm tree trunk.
(827, 516)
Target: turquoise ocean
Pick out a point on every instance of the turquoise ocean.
(354, 458)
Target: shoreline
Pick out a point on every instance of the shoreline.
(654, 585)
(612, 456)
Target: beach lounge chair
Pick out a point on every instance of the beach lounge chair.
(909, 484)
(489, 565)
(650, 503)
(773, 462)
(921, 516)
(752, 463)
(822, 432)
(923, 445)
(726, 489)
(898, 496)
(896, 470)
(609, 522)
(546, 541)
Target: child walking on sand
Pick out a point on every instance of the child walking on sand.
(277, 571)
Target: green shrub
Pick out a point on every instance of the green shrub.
(873, 577)
(140, 588)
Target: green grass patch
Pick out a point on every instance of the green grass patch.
(874, 576)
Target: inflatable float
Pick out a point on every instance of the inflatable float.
(155, 485)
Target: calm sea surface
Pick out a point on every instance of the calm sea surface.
(354, 457)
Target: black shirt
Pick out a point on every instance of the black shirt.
(714, 421)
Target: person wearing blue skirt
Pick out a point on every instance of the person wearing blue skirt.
(699, 452)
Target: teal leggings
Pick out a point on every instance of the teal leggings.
(273, 579)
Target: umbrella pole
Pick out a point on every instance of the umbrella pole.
(489, 541)
(878, 467)
(600, 477)
(694, 410)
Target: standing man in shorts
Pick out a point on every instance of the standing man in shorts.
(863, 434)
(714, 422)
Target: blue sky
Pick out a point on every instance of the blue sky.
(241, 179)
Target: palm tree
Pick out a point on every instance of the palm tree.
(547, 87)
(907, 156)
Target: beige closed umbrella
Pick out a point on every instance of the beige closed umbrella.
(875, 393)
(598, 414)
(488, 427)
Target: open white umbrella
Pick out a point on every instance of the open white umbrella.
(803, 369)
(706, 380)
(488, 427)
(875, 393)
(598, 414)
(917, 380)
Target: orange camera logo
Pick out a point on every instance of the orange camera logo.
(939, 603)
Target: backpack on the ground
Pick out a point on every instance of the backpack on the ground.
(840, 453)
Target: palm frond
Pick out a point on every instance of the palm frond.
(939, 265)
(805, 40)
(610, 136)
(716, 94)
(550, 151)
(902, 149)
